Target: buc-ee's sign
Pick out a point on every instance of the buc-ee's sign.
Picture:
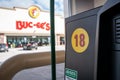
(28, 24)
(33, 12)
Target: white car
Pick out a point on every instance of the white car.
(3, 47)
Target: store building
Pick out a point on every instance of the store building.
(20, 25)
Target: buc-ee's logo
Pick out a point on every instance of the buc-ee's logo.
(34, 11)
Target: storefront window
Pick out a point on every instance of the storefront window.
(43, 41)
(62, 40)
(18, 41)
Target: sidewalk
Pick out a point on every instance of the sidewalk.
(40, 73)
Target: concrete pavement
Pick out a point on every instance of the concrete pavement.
(40, 73)
(15, 51)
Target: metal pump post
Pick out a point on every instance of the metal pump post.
(53, 56)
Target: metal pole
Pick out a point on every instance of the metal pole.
(53, 55)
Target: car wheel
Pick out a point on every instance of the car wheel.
(36, 48)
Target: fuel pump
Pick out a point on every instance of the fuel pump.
(80, 45)
(108, 48)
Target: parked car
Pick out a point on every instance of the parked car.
(3, 47)
(30, 45)
(43, 43)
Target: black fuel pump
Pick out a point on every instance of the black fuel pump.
(80, 45)
(93, 44)
(108, 27)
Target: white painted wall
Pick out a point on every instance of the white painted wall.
(99, 2)
(8, 18)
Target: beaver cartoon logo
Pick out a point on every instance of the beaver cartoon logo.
(34, 11)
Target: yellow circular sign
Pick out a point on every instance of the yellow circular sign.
(34, 11)
(80, 40)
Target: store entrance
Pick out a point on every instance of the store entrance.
(18, 41)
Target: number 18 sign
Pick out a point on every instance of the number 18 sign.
(80, 40)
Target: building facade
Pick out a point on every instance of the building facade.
(20, 25)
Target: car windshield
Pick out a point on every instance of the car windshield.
(2, 45)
